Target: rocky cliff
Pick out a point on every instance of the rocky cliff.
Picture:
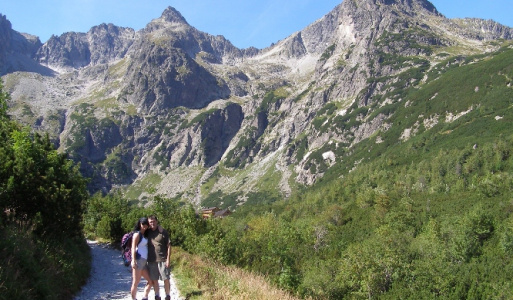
(172, 110)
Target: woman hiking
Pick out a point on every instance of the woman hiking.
(139, 254)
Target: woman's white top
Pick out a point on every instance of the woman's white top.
(142, 248)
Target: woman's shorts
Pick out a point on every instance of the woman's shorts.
(141, 263)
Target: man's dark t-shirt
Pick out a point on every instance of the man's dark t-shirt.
(157, 245)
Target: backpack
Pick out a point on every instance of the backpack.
(126, 247)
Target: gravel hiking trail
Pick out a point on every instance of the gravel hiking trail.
(110, 279)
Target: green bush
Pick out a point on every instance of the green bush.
(41, 268)
(42, 251)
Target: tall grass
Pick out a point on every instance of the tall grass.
(199, 278)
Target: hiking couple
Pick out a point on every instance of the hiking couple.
(151, 244)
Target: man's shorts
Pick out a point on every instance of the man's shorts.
(158, 271)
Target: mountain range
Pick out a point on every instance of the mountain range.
(174, 111)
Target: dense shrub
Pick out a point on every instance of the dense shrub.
(42, 251)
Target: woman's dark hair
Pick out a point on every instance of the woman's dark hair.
(141, 221)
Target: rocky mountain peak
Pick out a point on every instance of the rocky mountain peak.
(4, 23)
(412, 7)
(17, 50)
(170, 19)
(5, 33)
(171, 15)
(5, 39)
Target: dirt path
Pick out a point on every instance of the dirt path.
(110, 279)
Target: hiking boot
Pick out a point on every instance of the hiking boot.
(168, 297)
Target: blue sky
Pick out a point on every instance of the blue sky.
(244, 22)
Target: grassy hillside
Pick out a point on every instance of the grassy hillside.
(463, 101)
(422, 210)
(426, 107)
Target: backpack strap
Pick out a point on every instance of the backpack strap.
(140, 237)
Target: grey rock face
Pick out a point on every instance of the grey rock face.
(68, 50)
(218, 131)
(169, 78)
(102, 44)
(17, 50)
(178, 103)
(483, 29)
(108, 43)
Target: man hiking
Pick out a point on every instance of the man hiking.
(159, 253)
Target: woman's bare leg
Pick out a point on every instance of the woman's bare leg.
(136, 278)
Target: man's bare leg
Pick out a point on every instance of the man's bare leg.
(156, 288)
(167, 286)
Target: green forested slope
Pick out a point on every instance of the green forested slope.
(418, 218)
